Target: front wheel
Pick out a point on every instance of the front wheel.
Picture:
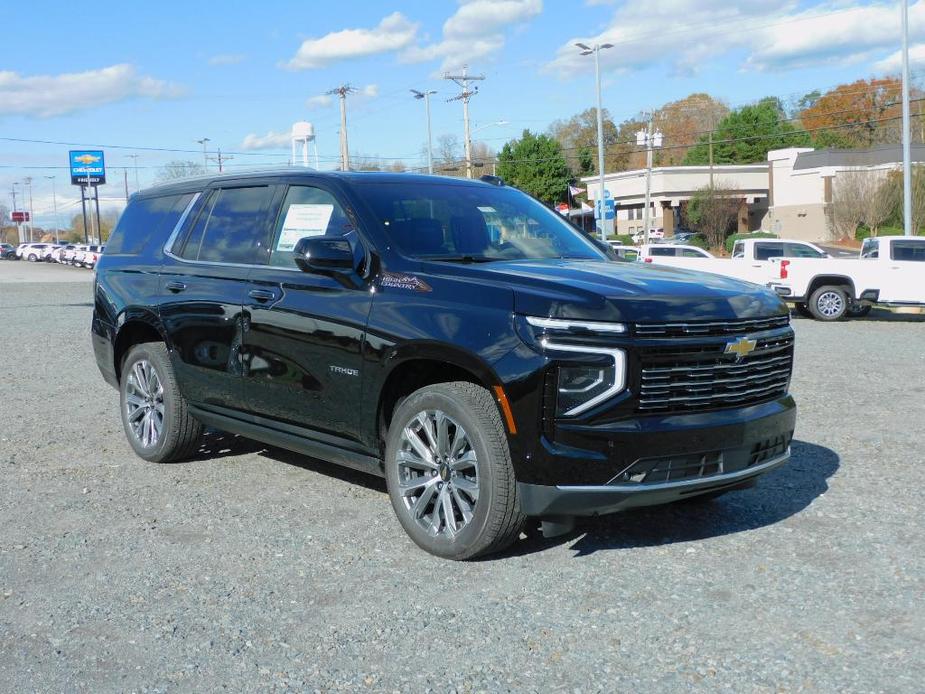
(449, 473)
(155, 415)
(32, 258)
(828, 303)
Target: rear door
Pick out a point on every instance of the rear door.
(304, 332)
(202, 285)
(903, 272)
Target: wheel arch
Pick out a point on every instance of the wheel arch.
(831, 280)
(135, 327)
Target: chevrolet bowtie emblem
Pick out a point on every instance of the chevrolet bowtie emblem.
(741, 347)
(86, 159)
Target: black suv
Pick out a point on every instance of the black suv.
(456, 337)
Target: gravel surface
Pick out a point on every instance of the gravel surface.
(252, 568)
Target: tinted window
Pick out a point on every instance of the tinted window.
(871, 248)
(146, 222)
(235, 229)
(738, 251)
(765, 251)
(662, 251)
(305, 212)
(799, 250)
(909, 250)
(691, 253)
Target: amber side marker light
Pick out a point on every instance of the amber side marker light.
(506, 409)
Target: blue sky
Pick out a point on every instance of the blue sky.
(162, 75)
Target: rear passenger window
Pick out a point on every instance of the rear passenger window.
(306, 211)
(231, 227)
(766, 251)
(799, 250)
(691, 253)
(145, 223)
(909, 250)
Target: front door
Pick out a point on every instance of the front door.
(304, 332)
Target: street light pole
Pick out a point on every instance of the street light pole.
(205, 155)
(907, 153)
(28, 182)
(430, 145)
(587, 50)
(54, 202)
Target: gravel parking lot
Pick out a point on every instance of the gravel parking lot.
(252, 568)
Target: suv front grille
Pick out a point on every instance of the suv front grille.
(711, 328)
(703, 378)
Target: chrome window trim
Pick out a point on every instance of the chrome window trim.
(179, 225)
(619, 364)
(567, 324)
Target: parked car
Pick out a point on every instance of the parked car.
(7, 251)
(654, 235)
(59, 254)
(32, 251)
(69, 256)
(651, 252)
(90, 256)
(890, 271)
(49, 251)
(624, 252)
(374, 321)
(751, 258)
(19, 249)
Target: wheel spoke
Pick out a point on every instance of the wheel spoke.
(135, 413)
(465, 508)
(427, 426)
(465, 461)
(468, 487)
(449, 515)
(423, 451)
(443, 434)
(435, 515)
(409, 487)
(140, 381)
(420, 504)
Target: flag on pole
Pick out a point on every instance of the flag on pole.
(585, 207)
(575, 190)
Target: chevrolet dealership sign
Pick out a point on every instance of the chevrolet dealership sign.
(87, 164)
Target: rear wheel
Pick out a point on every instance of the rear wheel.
(828, 303)
(449, 474)
(155, 415)
(32, 258)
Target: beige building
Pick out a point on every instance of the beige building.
(791, 195)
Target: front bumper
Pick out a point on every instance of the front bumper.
(548, 501)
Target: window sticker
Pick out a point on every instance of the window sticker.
(302, 221)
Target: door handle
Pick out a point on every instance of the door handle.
(262, 295)
(175, 287)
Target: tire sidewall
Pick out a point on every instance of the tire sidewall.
(161, 365)
(436, 398)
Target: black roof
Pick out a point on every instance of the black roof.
(200, 182)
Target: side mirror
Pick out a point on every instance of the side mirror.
(323, 255)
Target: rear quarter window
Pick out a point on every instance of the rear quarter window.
(909, 250)
(145, 224)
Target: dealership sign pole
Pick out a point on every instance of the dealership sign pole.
(88, 169)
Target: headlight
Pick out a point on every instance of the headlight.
(579, 388)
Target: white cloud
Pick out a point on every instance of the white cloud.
(54, 95)
(227, 59)
(370, 90)
(272, 140)
(773, 36)
(475, 31)
(320, 101)
(892, 64)
(393, 33)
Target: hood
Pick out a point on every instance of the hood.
(632, 292)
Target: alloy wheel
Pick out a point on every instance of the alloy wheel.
(830, 304)
(438, 474)
(144, 403)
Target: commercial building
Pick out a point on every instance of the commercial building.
(790, 195)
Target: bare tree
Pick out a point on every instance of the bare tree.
(881, 197)
(176, 169)
(847, 210)
(712, 210)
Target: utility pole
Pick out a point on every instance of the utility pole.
(430, 144)
(220, 159)
(28, 182)
(710, 135)
(651, 138)
(54, 201)
(907, 150)
(463, 81)
(125, 180)
(342, 92)
(205, 155)
(134, 158)
(587, 50)
(18, 224)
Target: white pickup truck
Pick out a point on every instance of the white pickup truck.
(890, 271)
(751, 258)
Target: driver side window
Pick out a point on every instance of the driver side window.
(306, 211)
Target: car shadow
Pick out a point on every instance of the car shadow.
(778, 495)
(877, 315)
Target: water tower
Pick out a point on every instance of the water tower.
(303, 132)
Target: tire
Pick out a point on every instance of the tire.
(494, 517)
(179, 432)
(32, 258)
(859, 310)
(804, 311)
(828, 303)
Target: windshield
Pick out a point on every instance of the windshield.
(463, 223)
